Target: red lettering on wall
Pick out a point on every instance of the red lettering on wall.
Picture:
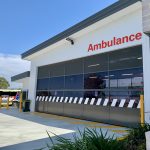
(104, 44)
(119, 41)
(132, 37)
(115, 41)
(138, 36)
(90, 47)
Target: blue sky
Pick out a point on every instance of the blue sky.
(26, 23)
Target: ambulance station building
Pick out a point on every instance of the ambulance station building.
(97, 69)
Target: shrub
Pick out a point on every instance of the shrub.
(89, 139)
(136, 138)
(92, 139)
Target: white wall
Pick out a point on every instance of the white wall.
(126, 24)
(146, 69)
(122, 27)
(146, 16)
(32, 85)
(25, 83)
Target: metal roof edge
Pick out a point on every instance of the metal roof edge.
(20, 76)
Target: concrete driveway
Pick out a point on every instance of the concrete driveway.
(27, 131)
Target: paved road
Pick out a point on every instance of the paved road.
(27, 131)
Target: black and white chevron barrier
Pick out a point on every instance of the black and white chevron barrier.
(87, 101)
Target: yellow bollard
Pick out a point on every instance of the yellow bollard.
(20, 106)
(7, 107)
(0, 101)
(142, 109)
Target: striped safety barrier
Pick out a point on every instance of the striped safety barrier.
(91, 101)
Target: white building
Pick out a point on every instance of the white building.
(97, 69)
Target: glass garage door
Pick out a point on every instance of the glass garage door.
(113, 81)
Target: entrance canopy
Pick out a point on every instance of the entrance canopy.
(9, 92)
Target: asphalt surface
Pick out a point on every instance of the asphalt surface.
(28, 131)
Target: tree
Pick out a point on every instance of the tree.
(4, 84)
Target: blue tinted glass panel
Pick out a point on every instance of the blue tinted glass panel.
(125, 94)
(126, 79)
(74, 82)
(42, 84)
(73, 94)
(96, 80)
(56, 83)
(56, 93)
(42, 93)
(96, 94)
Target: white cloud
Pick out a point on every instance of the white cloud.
(11, 65)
